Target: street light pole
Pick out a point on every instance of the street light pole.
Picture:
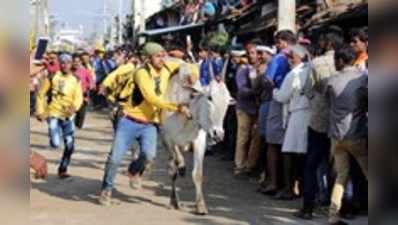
(120, 22)
(287, 15)
(105, 22)
(46, 18)
(142, 21)
(36, 18)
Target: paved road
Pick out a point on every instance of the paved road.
(74, 201)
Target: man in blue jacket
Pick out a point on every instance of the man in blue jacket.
(276, 73)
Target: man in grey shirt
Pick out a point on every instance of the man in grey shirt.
(318, 154)
(347, 95)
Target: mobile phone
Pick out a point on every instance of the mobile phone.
(41, 49)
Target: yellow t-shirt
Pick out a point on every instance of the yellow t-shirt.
(153, 86)
(66, 92)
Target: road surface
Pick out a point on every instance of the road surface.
(74, 201)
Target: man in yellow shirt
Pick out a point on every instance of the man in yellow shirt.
(113, 86)
(59, 98)
(141, 117)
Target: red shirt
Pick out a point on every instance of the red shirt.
(85, 78)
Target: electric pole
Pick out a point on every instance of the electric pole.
(142, 21)
(104, 21)
(46, 18)
(37, 17)
(41, 24)
(120, 40)
(287, 15)
(133, 21)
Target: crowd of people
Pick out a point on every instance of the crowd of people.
(195, 11)
(298, 110)
(297, 126)
(301, 119)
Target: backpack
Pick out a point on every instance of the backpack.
(121, 94)
(50, 90)
(129, 90)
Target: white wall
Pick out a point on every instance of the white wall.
(151, 7)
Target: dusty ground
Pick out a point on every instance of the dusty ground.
(74, 201)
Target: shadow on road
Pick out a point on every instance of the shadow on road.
(99, 140)
(80, 189)
(73, 189)
(230, 201)
(226, 196)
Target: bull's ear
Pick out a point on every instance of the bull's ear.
(197, 87)
(225, 68)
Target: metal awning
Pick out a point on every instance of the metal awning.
(169, 30)
(338, 13)
(258, 26)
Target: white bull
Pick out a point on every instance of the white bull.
(208, 108)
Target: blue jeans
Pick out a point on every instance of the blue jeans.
(127, 132)
(66, 128)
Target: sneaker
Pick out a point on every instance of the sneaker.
(135, 182)
(63, 176)
(105, 198)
